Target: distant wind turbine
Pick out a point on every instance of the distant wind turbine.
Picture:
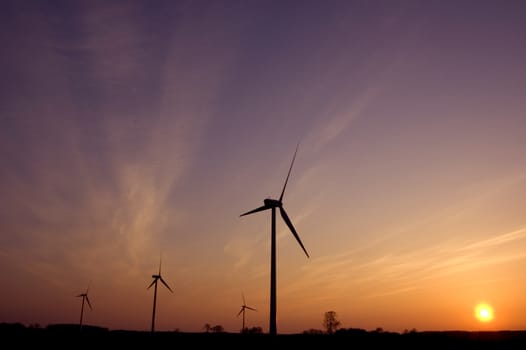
(273, 204)
(154, 282)
(85, 298)
(242, 311)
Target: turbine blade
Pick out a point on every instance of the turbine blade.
(89, 304)
(287, 180)
(153, 282)
(239, 313)
(243, 295)
(160, 261)
(79, 295)
(166, 285)
(292, 229)
(248, 307)
(264, 207)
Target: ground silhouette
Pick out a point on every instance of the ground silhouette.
(69, 336)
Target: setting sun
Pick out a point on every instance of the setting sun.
(484, 312)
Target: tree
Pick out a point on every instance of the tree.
(253, 330)
(217, 329)
(207, 327)
(313, 331)
(330, 322)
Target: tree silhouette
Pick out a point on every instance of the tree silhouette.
(217, 329)
(330, 322)
(313, 331)
(207, 327)
(253, 330)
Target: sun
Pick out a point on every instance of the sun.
(484, 312)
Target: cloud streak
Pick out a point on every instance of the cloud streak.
(394, 273)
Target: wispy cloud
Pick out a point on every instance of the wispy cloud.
(395, 273)
(392, 263)
(509, 237)
(242, 249)
(336, 121)
(102, 190)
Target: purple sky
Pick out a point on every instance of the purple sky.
(134, 128)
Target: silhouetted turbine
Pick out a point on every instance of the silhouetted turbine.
(84, 297)
(273, 204)
(242, 311)
(154, 282)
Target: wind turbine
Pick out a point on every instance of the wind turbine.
(242, 311)
(273, 204)
(85, 298)
(154, 282)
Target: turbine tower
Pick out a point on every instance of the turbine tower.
(273, 204)
(85, 298)
(154, 282)
(242, 311)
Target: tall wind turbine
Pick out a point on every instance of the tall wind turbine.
(273, 204)
(242, 311)
(85, 298)
(154, 282)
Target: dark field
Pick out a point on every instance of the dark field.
(68, 336)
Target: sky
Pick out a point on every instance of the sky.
(132, 131)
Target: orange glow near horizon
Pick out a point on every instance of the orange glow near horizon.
(484, 312)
